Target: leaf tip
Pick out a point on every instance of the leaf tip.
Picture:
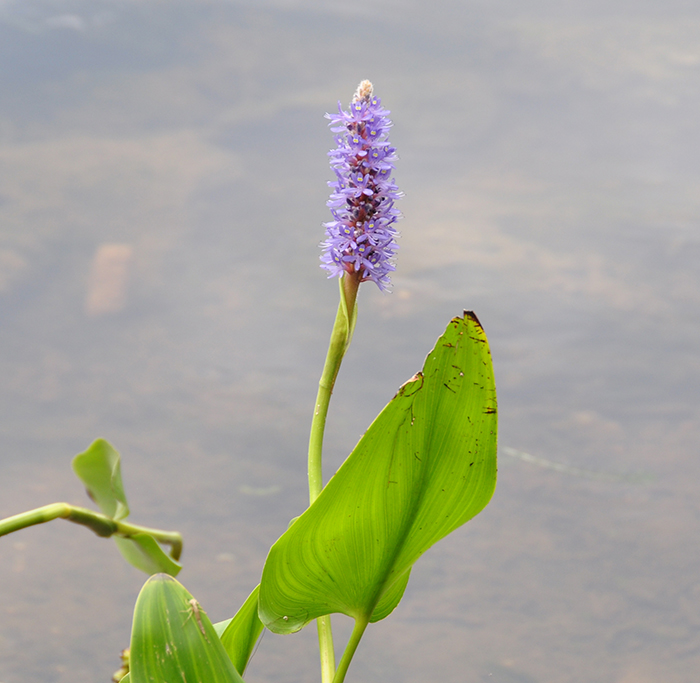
(470, 315)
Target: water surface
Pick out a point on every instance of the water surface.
(162, 189)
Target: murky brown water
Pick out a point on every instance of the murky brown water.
(162, 186)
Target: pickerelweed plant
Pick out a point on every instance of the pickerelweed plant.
(425, 466)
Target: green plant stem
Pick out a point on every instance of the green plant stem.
(325, 648)
(355, 637)
(101, 524)
(339, 342)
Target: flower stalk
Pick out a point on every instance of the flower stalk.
(360, 246)
(340, 340)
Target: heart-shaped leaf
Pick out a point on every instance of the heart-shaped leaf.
(173, 639)
(426, 465)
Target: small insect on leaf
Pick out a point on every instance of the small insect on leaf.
(194, 610)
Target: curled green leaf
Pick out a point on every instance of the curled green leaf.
(99, 468)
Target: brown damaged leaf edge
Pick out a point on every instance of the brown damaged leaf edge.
(408, 388)
(472, 316)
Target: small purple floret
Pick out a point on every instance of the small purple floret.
(361, 237)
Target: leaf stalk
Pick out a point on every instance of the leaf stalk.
(101, 524)
(355, 637)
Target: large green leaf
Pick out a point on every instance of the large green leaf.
(426, 465)
(100, 470)
(173, 639)
(240, 634)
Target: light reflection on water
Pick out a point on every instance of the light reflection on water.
(162, 188)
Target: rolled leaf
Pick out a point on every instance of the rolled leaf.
(426, 465)
(172, 638)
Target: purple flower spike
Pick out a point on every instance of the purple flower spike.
(361, 236)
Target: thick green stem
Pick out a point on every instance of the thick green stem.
(340, 340)
(97, 522)
(357, 633)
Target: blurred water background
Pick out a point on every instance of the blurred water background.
(162, 187)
